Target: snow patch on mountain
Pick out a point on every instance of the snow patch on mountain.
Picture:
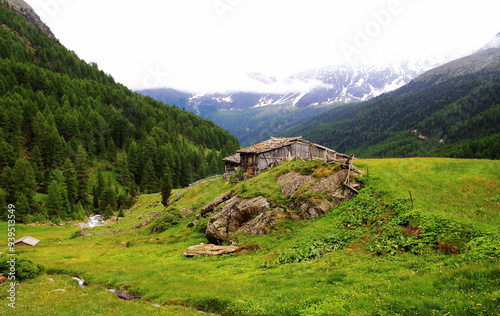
(327, 85)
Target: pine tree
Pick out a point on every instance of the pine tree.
(82, 175)
(7, 156)
(166, 190)
(108, 212)
(149, 180)
(54, 201)
(22, 207)
(101, 184)
(70, 181)
(3, 207)
(149, 148)
(120, 212)
(22, 181)
(123, 170)
(79, 213)
(95, 198)
(65, 212)
(37, 165)
(108, 199)
(134, 161)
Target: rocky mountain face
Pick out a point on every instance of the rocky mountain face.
(29, 14)
(488, 60)
(328, 85)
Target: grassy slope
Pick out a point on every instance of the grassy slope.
(348, 281)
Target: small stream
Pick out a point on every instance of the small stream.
(129, 296)
(93, 221)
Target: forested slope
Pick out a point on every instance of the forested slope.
(73, 141)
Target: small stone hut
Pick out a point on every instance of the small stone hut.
(30, 241)
(259, 157)
(232, 162)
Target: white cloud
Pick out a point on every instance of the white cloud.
(191, 47)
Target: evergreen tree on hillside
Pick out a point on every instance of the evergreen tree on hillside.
(21, 182)
(57, 201)
(37, 165)
(123, 170)
(166, 190)
(108, 200)
(70, 181)
(149, 179)
(23, 207)
(82, 176)
(7, 156)
(134, 160)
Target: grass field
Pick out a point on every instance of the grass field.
(362, 258)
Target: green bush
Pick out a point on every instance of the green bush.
(24, 269)
(171, 218)
(76, 234)
(485, 247)
(201, 226)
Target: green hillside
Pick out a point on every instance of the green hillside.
(452, 111)
(373, 255)
(73, 141)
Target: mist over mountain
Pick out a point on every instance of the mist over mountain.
(327, 85)
(494, 43)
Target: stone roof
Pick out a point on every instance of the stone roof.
(27, 240)
(236, 158)
(270, 144)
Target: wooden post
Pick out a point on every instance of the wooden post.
(411, 198)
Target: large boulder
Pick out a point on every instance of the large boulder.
(235, 213)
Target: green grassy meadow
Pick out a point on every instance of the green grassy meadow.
(362, 258)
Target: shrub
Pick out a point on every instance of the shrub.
(168, 220)
(76, 234)
(24, 269)
(201, 226)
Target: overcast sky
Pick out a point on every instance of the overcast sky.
(206, 45)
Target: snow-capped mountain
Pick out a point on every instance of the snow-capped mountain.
(327, 85)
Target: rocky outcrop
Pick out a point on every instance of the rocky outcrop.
(292, 182)
(329, 184)
(235, 213)
(231, 214)
(20, 6)
(309, 210)
(337, 193)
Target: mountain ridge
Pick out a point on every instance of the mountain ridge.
(326, 85)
